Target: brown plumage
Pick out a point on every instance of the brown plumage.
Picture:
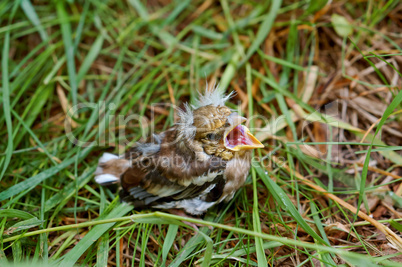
(202, 160)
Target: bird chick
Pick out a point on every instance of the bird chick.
(201, 161)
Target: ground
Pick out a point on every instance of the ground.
(320, 82)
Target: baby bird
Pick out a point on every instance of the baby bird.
(201, 161)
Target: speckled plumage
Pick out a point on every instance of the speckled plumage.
(188, 166)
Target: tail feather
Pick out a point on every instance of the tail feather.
(110, 168)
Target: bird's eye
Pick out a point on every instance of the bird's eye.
(213, 136)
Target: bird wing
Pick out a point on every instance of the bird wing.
(146, 186)
(162, 173)
(156, 189)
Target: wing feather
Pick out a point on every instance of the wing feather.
(160, 174)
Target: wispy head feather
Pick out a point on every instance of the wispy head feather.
(214, 97)
(185, 124)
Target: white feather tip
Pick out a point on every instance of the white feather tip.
(106, 157)
(106, 179)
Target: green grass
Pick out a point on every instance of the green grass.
(118, 58)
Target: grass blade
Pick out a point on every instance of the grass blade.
(32, 111)
(73, 255)
(281, 198)
(37, 179)
(394, 104)
(33, 17)
(90, 58)
(259, 245)
(167, 244)
(69, 49)
(188, 248)
(264, 29)
(6, 103)
(16, 213)
(103, 251)
(67, 192)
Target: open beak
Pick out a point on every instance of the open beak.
(238, 137)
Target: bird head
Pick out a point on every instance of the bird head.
(211, 128)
